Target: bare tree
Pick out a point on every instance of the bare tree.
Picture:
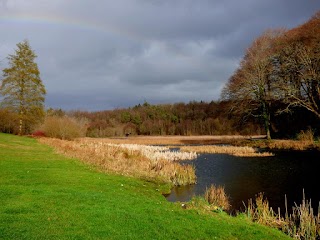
(300, 67)
(251, 86)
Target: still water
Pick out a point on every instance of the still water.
(285, 174)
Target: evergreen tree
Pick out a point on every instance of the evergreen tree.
(22, 89)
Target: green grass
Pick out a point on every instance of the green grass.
(44, 195)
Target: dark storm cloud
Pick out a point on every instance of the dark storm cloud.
(110, 54)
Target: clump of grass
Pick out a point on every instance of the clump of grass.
(124, 161)
(217, 198)
(306, 136)
(199, 204)
(233, 150)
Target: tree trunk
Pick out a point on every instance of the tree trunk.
(266, 119)
(20, 127)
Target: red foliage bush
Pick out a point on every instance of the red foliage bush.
(38, 133)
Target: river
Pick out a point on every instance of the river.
(285, 174)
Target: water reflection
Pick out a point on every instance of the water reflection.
(287, 173)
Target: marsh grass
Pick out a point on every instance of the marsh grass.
(233, 150)
(217, 198)
(125, 161)
(157, 152)
(302, 223)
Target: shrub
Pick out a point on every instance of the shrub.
(65, 127)
(9, 121)
(38, 133)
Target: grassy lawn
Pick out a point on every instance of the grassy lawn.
(44, 195)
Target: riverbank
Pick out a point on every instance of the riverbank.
(255, 141)
(46, 195)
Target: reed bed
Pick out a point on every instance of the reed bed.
(158, 152)
(297, 145)
(236, 151)
(176, 140)
(124, 160)
(301, 224)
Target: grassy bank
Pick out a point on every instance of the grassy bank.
(47, 196)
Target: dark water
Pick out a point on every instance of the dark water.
(287, 173)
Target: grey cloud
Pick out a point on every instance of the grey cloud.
(99, 55)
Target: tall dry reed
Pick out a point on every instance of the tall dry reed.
(259, 211)
(124, 161)
(302, 223)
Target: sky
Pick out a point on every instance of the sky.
(99, 55)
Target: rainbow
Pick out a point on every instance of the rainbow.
(82, 24)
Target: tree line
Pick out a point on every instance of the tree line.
(193, 118)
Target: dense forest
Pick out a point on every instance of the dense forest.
(274, 91)
(193, 118)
